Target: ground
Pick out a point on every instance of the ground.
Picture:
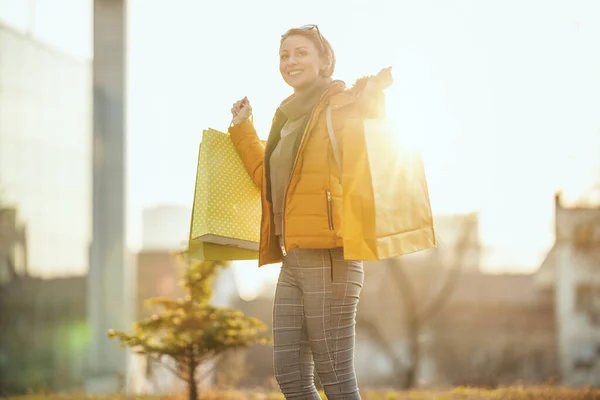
(511, 393)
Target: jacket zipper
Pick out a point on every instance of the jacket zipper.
(329, 209)
(312, 115)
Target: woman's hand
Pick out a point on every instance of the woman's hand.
(241, 111)
(372, 96)
(380, 81)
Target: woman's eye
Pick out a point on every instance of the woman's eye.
(283, 57)
(302, 53)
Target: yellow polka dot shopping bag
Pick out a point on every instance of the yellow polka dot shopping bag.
(226, 209)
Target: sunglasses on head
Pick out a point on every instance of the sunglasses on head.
(310, 27)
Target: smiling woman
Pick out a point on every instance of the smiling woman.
(318, 288)
(304, 61)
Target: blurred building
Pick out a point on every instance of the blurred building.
(45, 216)
(494, 330)
(458, 240)
(158, 275)
(13, 246)
(572, 270)
(485, 329)
(43, 334)
(45, 151)
(491, 329)
(165, 230)
(165, 227)
(488, 329)
(111, 279)
(458, 235)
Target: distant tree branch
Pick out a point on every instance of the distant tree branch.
(405, 288)
(158, 360)
(443, 295)
(452, 277)
(415, 319)
(373, 330)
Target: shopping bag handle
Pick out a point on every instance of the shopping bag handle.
(333, 140)
(251, 118)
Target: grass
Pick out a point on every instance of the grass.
(460, 393)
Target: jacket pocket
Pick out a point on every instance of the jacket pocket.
(329, 209)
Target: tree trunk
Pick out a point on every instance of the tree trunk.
(412, 322)
(192, 384)
(412, 370)
(193, 389)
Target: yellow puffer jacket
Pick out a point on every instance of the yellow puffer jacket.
(313, 201)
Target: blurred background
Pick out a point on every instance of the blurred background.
(102, 107)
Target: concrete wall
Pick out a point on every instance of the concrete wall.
(577, 263)
(110, 279)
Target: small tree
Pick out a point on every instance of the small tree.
(190, 331)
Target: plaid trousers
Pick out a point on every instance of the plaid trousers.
(314, 324)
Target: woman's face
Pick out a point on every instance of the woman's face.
(299, 62)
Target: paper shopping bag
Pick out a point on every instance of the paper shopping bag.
(205, 251)
(226, 207)
(386, 206)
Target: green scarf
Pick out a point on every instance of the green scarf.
(298, 105)
(301, 103)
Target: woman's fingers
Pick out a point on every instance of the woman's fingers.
(241, 110)
(237, 106)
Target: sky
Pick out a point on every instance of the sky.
(503, 96)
